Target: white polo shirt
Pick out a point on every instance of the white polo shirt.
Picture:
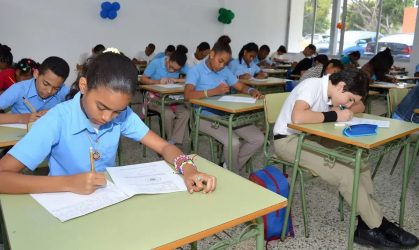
(314, 92)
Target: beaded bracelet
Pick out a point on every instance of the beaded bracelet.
(185, 159)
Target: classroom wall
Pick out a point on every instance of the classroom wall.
(70, 29)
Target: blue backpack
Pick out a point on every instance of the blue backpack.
(273, 179)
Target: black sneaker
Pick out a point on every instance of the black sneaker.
(374, 237)
(397, 234)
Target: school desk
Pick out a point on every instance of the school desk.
(283, 65)
(359, 149)
(163, 221)
(275, 72)
(386, 86)
(10, 136)
(268, 85)
(405, 78)
(162, 99)
(237, 114)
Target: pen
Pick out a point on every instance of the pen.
(92, 162)
(342, 107)
(29, 105)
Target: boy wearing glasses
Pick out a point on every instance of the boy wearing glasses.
(28, 100)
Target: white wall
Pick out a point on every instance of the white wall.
(69, 29)
(261, 21)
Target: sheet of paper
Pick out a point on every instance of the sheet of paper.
(176, 97)
(66, 206)
(147, 178)
(357, 120)
(259, 79)
(15, 125)
(169, 86)
(229, 98)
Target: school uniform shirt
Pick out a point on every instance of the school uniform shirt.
(157, 70)
(266, 60)
(312, 91)
(7, 78)
(345, 60)
(313, 72)
(240, 68)
(203, 78)
(159, 55)
(277, 56)
(194, 61)
(64, 136)
(13, 97)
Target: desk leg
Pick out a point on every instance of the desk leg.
(405, 182)
(162, 111)
(260, 238)
(292, 185)
(195, 139)
(230, 143)
(354, 197)
(388, 103)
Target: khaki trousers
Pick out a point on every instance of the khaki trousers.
(339, 175)
(174, 122)
(245, 141)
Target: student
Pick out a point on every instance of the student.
(379, 66)
(200, 54)
(244, 67)
(167, 52)
(262, 59)
(97, 50)
(211, 78)
(95, 118)
(310, 102)
(405, 110)
(23, 70)
(30, 99)
(320, 62)
(164, 71)
(351, 59)
(6, 57)
(308, 52)
(306, 62)
(144, 57)
(279, 55)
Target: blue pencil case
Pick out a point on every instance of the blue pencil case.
(360, 130)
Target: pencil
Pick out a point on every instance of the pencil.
(29, 105)
(11, 79)
(92, 162)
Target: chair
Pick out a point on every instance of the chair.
(396, 95)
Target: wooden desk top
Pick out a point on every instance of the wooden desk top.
(10, 136)
(230, 107)
(283, 66)
(270, 81)
(162, 90)
(397, 129)
(163, 221)
(389, 85)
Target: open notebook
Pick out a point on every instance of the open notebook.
(148, 178)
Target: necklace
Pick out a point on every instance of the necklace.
(96, 154)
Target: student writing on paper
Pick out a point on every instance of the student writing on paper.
(279, 55)
(167, 70)
(23, 70)
(244, 67)
(310, 102)
(212, 78)
(200, 54)
(30, 99)
(379, 66)
(94, 118)
(262, 59)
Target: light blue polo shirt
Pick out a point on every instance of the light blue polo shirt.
(12, 97)
(267, 60)
(239, 69)
(204, 78)
(63, 133)
(157, 70)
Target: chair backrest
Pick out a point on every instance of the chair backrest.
(273, 104)
(396, 95)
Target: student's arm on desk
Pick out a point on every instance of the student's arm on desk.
(194, 179)
(243, 88)
(13, 182)
(302, 113)
(21, 118)
(191, 93)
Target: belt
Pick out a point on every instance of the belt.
(279, 136)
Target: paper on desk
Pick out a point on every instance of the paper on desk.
(147, 178)
(177, 97)
(169, 86)
(357, 120)
(229, 98)
(66, 206)
(259, 79)
(15, 125)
